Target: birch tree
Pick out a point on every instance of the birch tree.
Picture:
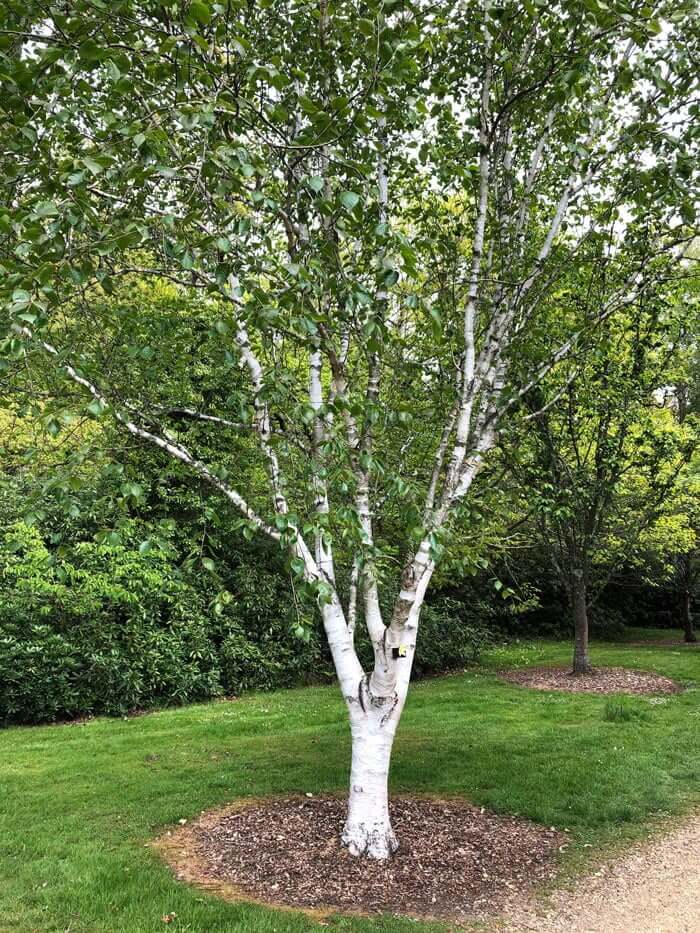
(279, 160)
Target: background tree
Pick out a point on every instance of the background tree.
(603, 453)
(668, 558)
(681, 510)
(267, 160)
(686, 403)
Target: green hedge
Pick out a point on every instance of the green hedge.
(100, 628)
(108, 630)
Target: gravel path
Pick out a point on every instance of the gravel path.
(655, 888)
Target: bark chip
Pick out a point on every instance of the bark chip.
(454, 860)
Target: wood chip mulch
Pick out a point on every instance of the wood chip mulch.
(600, 680)
(662, 643)
(454, 861)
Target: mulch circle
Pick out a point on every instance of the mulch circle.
(600, 680)
(662, 643)
(455, 861)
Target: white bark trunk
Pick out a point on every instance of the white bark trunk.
(374, 718)
(368, 829)
(340, 642)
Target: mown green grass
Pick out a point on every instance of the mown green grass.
(79, 803)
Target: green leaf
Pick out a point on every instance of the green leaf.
(97, 407)
(93, 165)
(201, 12)
(316, 183)
(687, 213)
(208, 564)
(349, 199)
(46, 209)
(297, 565)
(90, 51)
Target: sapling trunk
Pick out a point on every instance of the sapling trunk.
(579, 605)
(687, 618)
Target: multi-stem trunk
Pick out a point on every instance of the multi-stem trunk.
(375, 703)
(579, 607)
(374, 718)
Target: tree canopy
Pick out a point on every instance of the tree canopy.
(367, 216)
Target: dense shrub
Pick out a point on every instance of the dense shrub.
(105, 627)
(258, 648)
(39, 675)
(102, 632)
(607, 623)
(450, 635)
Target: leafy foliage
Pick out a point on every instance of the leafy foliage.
(323, 279)
(103, 628)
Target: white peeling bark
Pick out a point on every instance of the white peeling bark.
(374, 721)
(410, 632)
(340, 642)
(468, 388)
(368, 829)
(324, 553)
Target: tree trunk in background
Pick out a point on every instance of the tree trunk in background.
(687, 618)
(579, 605)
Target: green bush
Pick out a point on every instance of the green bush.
(606, 623)
(450, 636)
(106, 629)
(102, 628)
(39, 676)
(258, 647)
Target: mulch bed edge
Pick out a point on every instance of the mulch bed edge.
(621, 680)
(180, 849)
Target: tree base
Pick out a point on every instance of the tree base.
(600, 680)
(373, 840)
(286, 851)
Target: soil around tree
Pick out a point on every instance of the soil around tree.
(663, 643)
(599, 680)
(455, 861)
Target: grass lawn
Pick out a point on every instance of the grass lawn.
(78, 803)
